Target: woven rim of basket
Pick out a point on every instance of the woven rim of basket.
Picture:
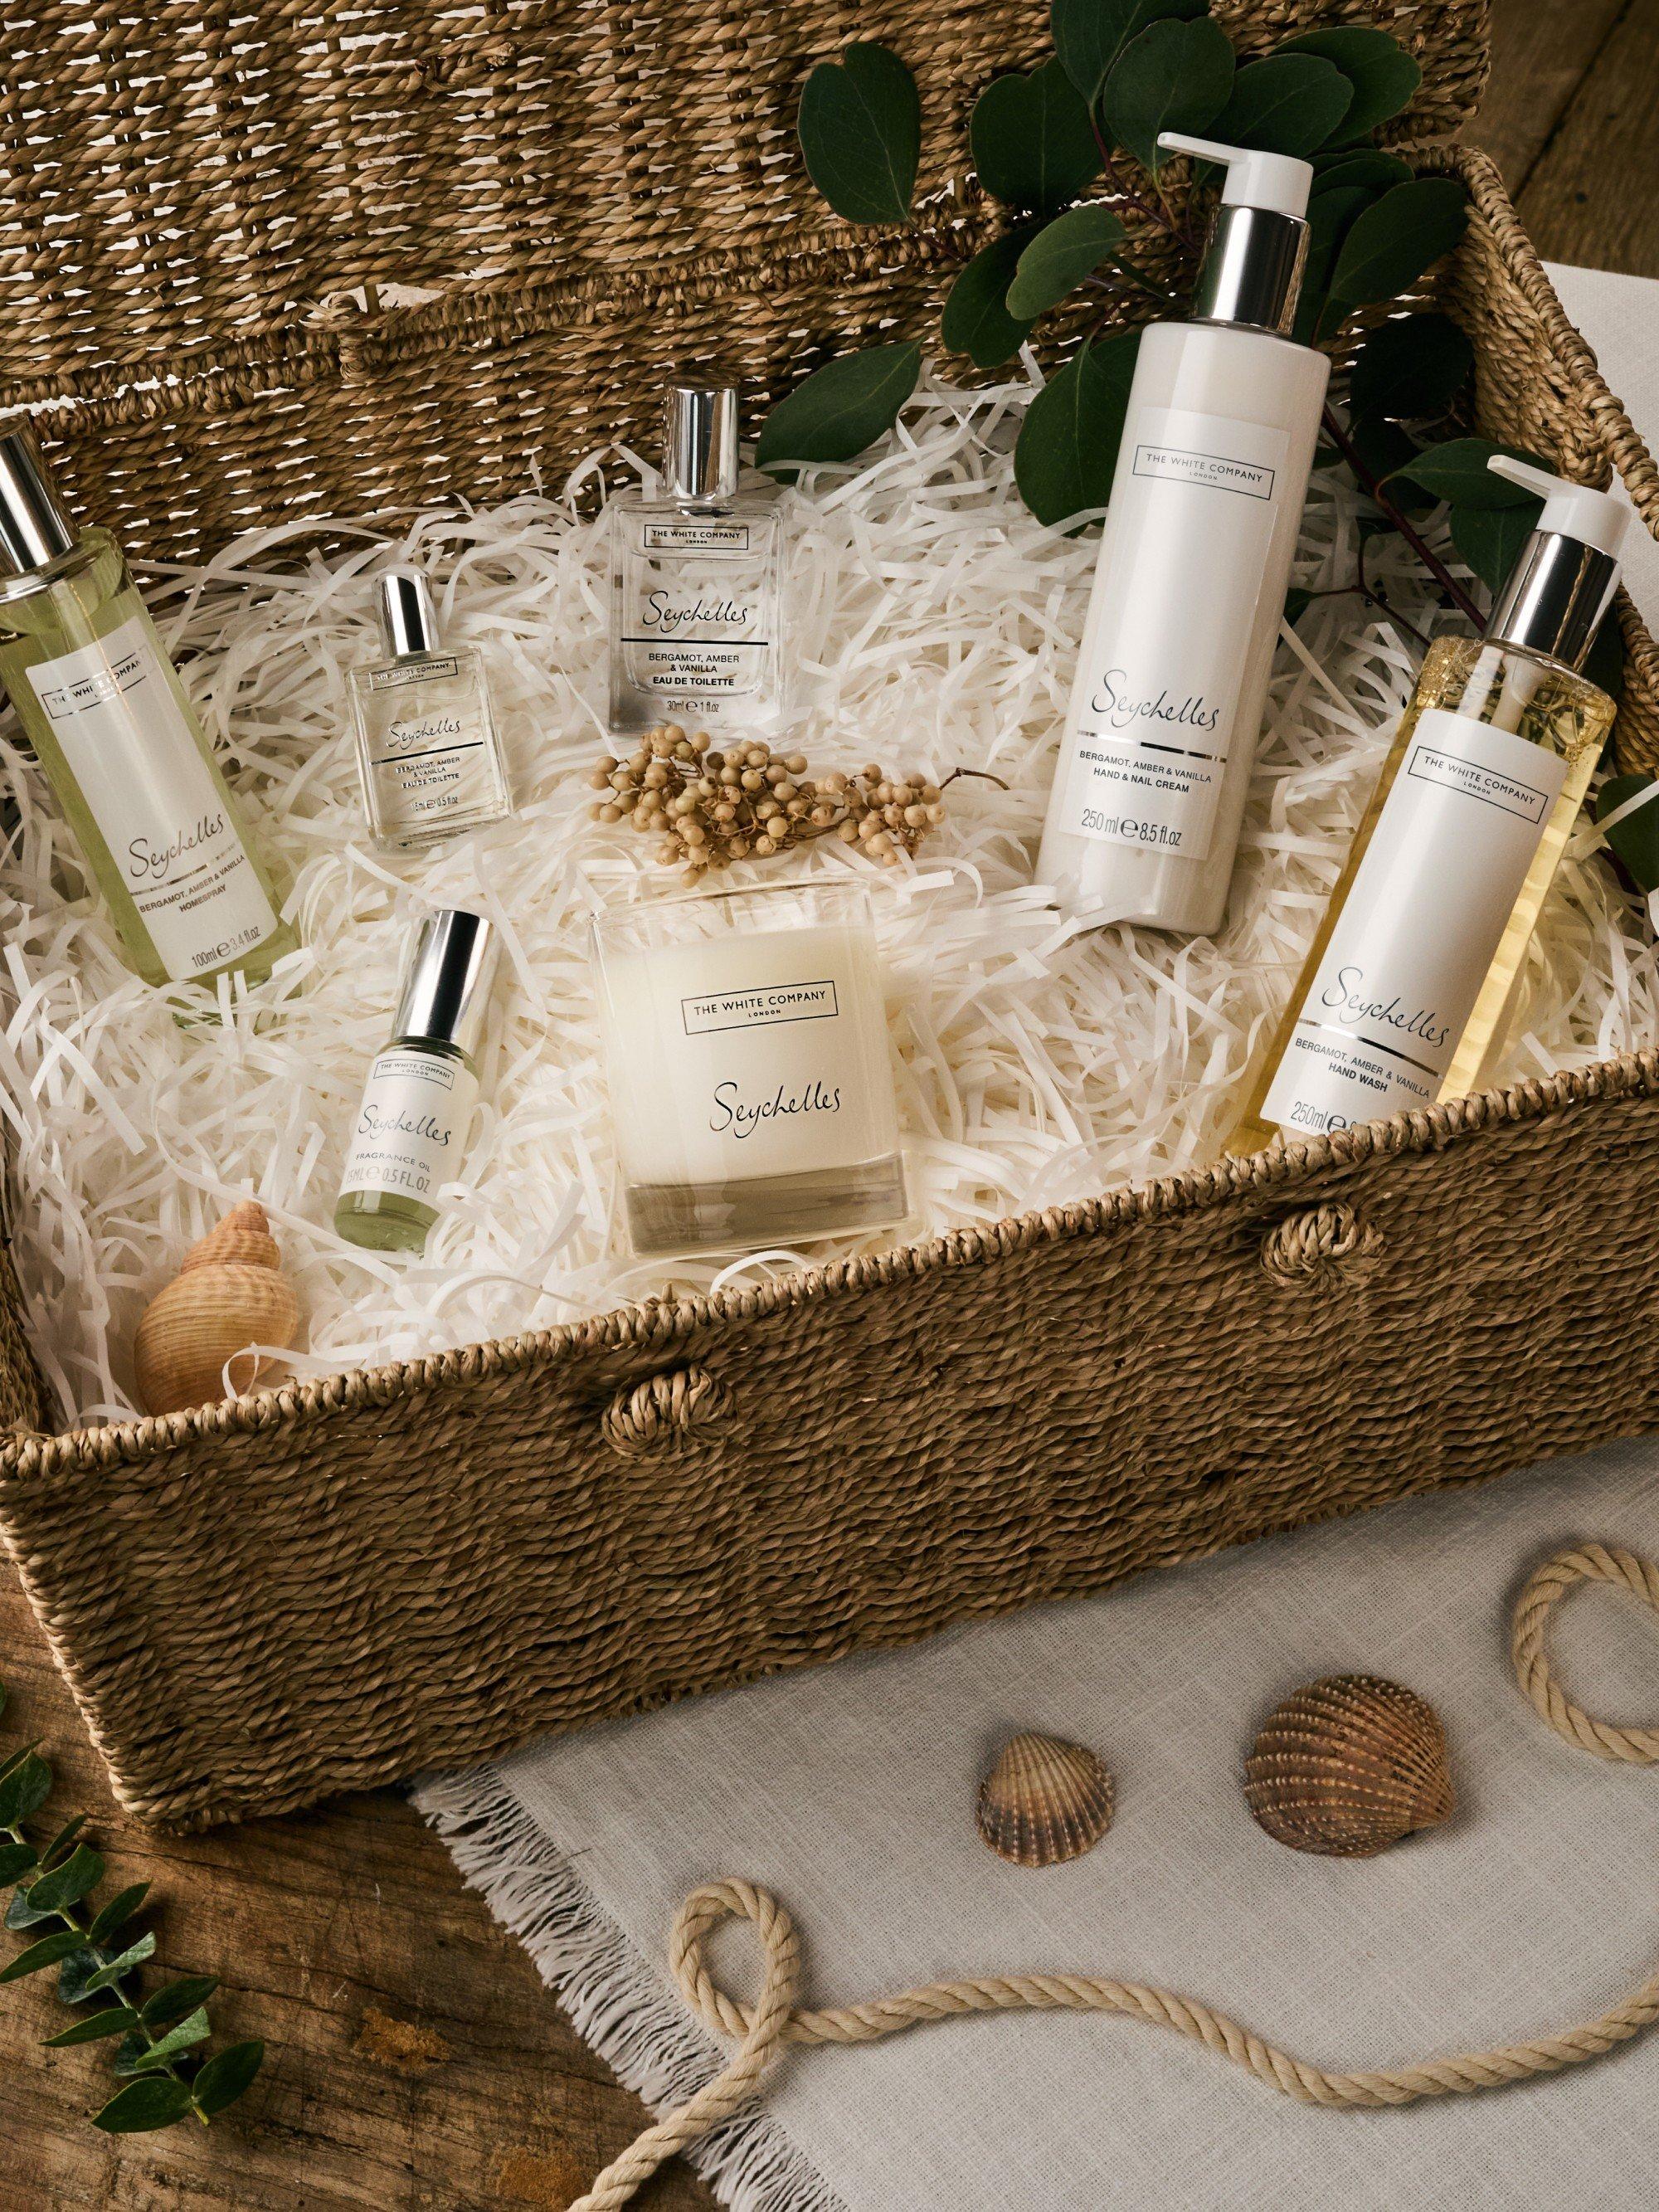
(659, 1327)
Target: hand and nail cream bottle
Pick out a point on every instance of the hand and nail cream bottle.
(411, 1131)
(1401, 1001)
(694, 609)
(121, 746)
(427, 746)
(1206, 501)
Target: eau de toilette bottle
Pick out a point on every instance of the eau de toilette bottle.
(410, 1130)
(1401, 1000)
(1212, 474)
(122, 750)
(694, 582)
(427, 744)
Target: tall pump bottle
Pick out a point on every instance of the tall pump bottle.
(1212, 473)
(1402, 999)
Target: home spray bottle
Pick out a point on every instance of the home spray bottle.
(120, 744)
(1212, 473)
(1403, 998)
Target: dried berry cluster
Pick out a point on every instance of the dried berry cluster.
(712, 807)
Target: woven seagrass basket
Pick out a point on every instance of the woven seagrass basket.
(336, 1582)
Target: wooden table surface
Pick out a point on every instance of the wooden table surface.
(416, 2063)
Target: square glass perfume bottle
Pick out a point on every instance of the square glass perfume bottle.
(694, 611)
(427, 744)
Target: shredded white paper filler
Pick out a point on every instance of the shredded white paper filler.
(932, 624)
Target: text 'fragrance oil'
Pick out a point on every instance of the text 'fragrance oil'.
(1403, 998)
(1206, 501)
(694, 582)
(121, 746)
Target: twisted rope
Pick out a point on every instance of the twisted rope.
(765, 2029)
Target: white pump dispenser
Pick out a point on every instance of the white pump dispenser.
(1212, 473)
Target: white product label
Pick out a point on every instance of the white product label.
(1171, 622)
(411, 1126)
(695, 537)
(1423, 920)
(158, 806)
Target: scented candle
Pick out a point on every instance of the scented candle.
(746, 1049)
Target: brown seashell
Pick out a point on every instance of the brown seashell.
(1347, 1766)
(229, 1291)
(1044, 1800)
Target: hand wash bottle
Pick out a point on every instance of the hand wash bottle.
(1212, 474)
(1403, 998)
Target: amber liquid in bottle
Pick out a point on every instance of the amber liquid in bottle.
(1333, 1022)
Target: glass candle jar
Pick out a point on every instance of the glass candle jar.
(745, 1047)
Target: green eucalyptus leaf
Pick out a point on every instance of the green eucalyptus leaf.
(115, 1914)
(1636, 839)
(1384, 447)
(13, 1761)
(153, 2102)
(1490, 538)
(133, 1955)
(976, 320)
(25, 1789)
(1456, 472)
(227, 2075)
(1330, 215)
(860, 131)
(22, 1914)
(16, 1859)
(129, 2052)
(1382, 74)
(1604, 664)
(1175, 76)
(193, 2029)
(1032, 143)
(1390, 245)
(840, 410)
(1285, 104)
(1066, 451)
(69, 1882)
(115, 2020)
(1059, 256)
(1089, 35)
(59, 1846)
(174, 1999)
(1375, 171)
(1411, 368)
(46, 1953)
(77, 1970)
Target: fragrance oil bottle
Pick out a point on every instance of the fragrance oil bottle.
(694, 609)
(1212, 474)
(426, 745)
(130, 763)
(1401, 999)
(411, 1126)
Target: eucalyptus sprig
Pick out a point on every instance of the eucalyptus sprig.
(98, 1955)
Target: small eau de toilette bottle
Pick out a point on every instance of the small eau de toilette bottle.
(694, 582)
(131, 765)
(1403, 999)
(427, 745)
(411, 1127)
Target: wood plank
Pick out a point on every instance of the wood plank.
(1540, 55)
(416, 2062)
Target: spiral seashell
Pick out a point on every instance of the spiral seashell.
(1044, 1800)
(229, 1292)
(1349, 1765)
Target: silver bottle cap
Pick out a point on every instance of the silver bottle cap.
(407, 621)
(700, 443)
(34, 527)
(445, 993)
(1251, 273)
(1554, 598)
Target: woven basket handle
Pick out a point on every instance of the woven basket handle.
(668, 1414)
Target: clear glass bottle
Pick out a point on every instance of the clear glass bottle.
(694, 609)
(1402, 999)
(120, 744)
(411, 1127)
(427, 745)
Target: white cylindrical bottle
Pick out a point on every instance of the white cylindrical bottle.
(1212, 473)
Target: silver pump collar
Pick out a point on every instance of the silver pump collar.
(1251, 273)
(35, 527)
(407, 621)
(1555, 598)
(700, 443)
(445, 993)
